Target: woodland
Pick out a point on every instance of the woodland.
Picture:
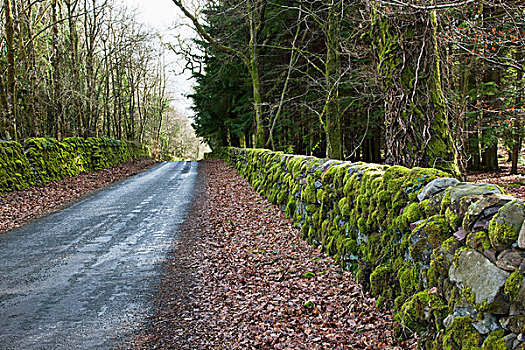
(433, 83)
(86, 68)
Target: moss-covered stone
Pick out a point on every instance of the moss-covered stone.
(479, 240)
(504, 228)
(381, 283)
(513, 285)
(15, 170)
(427, 236)
(495, 341)
(41, 160)
(422, 310)
(461, 335)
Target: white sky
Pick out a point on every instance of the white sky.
(163, 15)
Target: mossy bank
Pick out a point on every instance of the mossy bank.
(42, 160)
(447, 256)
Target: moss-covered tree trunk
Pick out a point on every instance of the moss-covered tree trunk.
(332, 116)
(408, 62)
(10, 122)
(256, 19)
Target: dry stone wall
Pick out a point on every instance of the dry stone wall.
(448, 256)
(42, 160)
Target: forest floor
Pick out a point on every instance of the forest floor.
(241, 277)
(514, 185)
(20, 207)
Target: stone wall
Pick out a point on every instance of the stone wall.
(446, 255)
(41, 160)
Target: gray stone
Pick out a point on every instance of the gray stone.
(522, 267)
(318, 184)
(521, 238)
(515, 324)
(481, 225)
(328, 164)
(488, 324)
(425, 238)
(464, 189)
(511, 217)
(485, 280)
(486, 207)
(491, 255)
(461, 234)
(461, 207)
(509, 260)
(447, 322)
(514, 310)
(509, 340)
(436, 186)
(490, 212)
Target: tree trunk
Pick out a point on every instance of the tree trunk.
(490, 157)
(59, 118)
(332, 122)
(417, 132)
(255, 25)
(10, 124)
(517, 130)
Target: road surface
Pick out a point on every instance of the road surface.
(82, 278)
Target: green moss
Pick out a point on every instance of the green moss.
(409, 280)
(461, 335)
(495, 341)
(290, 208)
(505, 226)
(361, 224)
(311, 208)
(282, 197)
(381, 282)
(422, 310)
(344, 207)
(502, 234)
(308, 195)
(427, 236)
(412, 213)
(309, 234)
(446, 201)
(513, 285)
(309, 275)
(322, 196)
(479, 240)
(453, 220)
(52, 160)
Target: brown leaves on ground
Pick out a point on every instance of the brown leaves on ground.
(241, 277)
(19, 207)
(513, 184)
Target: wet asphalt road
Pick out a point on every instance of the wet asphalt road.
(81, 278)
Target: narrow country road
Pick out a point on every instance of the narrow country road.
(81, 278)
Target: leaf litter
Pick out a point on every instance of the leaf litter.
(241, 277)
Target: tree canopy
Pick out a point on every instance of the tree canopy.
(434, 83)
